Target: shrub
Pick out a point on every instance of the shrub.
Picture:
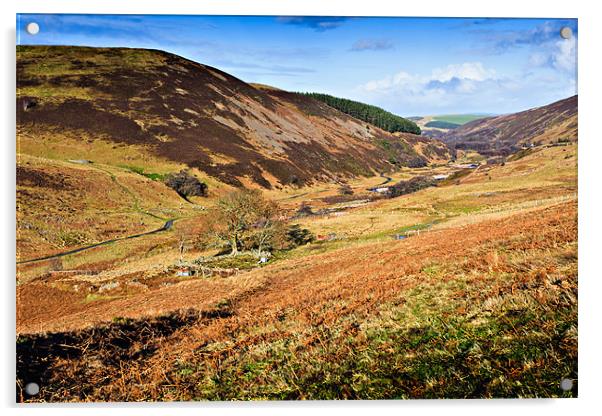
(295, 180)
(411, 185)
(186, 184)
(304, 210)
(297, 236)
(345, 189)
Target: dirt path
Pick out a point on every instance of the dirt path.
(168, 224)
(136, 207)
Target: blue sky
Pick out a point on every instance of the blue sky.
(409, 66)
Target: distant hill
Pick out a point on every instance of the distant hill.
(459, 118)
(169, 110)
(441, 124)
(368, 113)
(502, 135)
(436, 126)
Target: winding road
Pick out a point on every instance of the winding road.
(387, 180)
(168, 224)
(136, 205)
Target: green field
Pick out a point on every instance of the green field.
(441, 124)
(459, 118)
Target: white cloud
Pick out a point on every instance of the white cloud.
(565, 57)
(461, 78)
(468, 70)
(560, 55)
(471, 87)
(399, 80)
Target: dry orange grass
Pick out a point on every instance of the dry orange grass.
(318, 311)
(482, 305)
(63, 205)
(340, 274)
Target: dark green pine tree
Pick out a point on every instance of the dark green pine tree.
(368, 113)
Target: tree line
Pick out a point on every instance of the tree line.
(368, 113)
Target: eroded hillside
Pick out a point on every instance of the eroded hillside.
(175, 110)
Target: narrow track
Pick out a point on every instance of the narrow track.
(168, 224)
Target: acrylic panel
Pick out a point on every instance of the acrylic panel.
(289, 208)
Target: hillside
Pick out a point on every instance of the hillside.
(483, 300)
(161, 109)
(368, 113)
(438, 125)
(503, 135)
(442, 125)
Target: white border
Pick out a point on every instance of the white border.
(462, 8)
(590, 175)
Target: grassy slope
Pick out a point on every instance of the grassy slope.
(484, 305)
(483, 311)
(106, 199)
(458, 118)
(441, 124)
(132, 111)
(544, 175)
(62, 205)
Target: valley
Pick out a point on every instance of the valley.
(411, 267)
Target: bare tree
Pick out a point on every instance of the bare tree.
(185, 239)
(245, 217)
(269, 228)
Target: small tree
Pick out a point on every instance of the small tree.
(244, 218)
(184, 241)
(268, 230)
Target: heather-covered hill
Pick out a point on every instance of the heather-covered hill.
(175, 110)
(502, 135)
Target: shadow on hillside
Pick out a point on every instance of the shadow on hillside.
(103, 346)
